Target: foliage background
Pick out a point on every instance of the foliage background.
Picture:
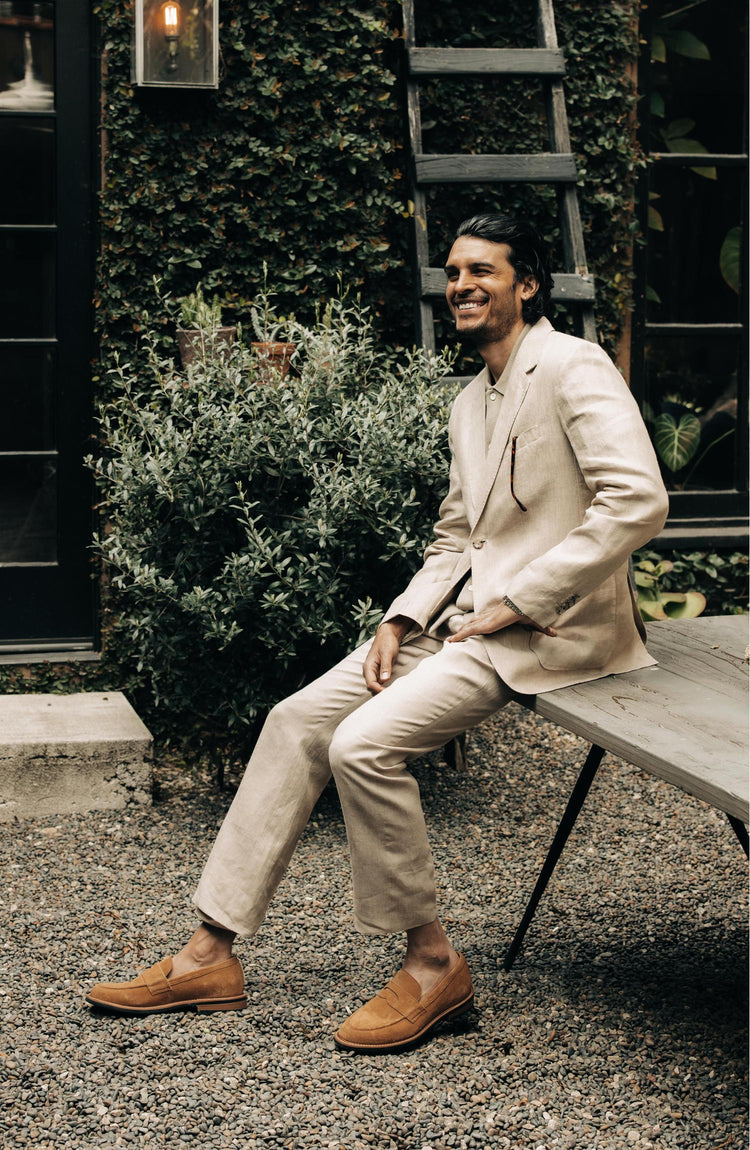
(299, 159)
(298, 163)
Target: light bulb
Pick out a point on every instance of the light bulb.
(171, 19)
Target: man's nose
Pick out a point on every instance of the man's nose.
(465, 281)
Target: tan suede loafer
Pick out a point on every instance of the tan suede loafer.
(217, 987)
(398, 1015)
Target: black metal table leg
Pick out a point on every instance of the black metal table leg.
(567, 822)
(740, 830)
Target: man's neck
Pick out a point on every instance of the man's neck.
(497, 354)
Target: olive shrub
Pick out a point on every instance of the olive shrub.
(255, 527)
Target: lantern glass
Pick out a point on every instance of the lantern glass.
(176, 43)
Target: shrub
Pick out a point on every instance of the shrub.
(256, 530)
(722, 579)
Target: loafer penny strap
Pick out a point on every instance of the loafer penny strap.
(156, 980)
(400, 1000)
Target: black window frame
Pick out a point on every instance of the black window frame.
(712, 517)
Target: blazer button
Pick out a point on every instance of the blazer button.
(478, 543)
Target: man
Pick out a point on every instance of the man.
(524, 588)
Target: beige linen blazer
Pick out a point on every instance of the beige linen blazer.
(548, 516)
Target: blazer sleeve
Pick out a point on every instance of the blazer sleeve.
(628, 502)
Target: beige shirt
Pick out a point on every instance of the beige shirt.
(495, 391)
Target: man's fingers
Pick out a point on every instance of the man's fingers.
(370, 671)
(536, 627)
(479, 627)
(463, 633)
(377, 669)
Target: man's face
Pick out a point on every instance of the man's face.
(482, 292)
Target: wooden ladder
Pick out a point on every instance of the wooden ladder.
(545, 62)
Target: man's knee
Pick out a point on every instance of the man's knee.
(285, 711)
(346, 749)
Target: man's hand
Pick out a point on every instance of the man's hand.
(378, 665)
(494, 619)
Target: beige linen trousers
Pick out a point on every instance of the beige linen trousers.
(334, 726)
(548, 515)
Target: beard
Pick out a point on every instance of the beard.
(494, 327)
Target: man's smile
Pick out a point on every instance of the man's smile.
(470, 304)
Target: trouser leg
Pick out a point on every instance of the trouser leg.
(392, 869)
(287, 771)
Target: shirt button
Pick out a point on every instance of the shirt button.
(478, 543)
(493, 395)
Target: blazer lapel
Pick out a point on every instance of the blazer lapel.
(515, 393)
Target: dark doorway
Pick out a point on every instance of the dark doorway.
(46, 591)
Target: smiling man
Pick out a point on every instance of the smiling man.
(524, 587)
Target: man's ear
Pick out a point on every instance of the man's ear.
(529, 287)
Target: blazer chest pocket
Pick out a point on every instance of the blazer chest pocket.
(533, 468)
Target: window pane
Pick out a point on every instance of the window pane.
(694, 379)
(26, 55)
(27, 285)
(27, 146)
(26, 399)
(697, 75)
(685, 281)
(28, 510)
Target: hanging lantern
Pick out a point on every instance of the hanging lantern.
(176, 44)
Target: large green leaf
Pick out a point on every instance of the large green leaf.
(693, 147)
(677, 129)
(685, 43)
(683, 604)
(655, 221)
(729, 258)
(676, 443)
(658, 49)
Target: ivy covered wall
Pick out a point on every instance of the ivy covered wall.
(298, 161)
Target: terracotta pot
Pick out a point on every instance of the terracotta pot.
(194, 344)
(273, 358)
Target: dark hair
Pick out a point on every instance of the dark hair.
(528, 254)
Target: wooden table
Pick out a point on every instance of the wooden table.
(685, 721)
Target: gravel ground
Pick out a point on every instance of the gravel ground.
(622, 1024)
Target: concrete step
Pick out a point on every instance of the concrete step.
(64, 754)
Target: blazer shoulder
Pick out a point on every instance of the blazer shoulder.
(567, 359)
(568, 347)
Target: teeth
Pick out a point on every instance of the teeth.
(468, 305)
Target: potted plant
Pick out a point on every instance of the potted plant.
(273, 356)
(201, 331)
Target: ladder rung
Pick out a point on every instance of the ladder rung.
(566, 287)
(541, 168)
(486, 62)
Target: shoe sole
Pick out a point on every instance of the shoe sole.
(385, 1047)
(197, 1005)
